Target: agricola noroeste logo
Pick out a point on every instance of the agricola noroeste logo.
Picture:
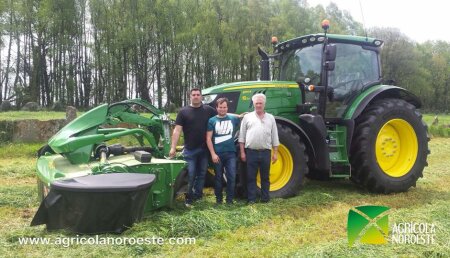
(369, 224)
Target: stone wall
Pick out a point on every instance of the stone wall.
(33, 130)
(30, 130)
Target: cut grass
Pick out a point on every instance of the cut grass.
(310, 224)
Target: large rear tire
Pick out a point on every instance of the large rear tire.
(287, 173)
(390, 147)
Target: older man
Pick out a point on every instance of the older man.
(257, 137)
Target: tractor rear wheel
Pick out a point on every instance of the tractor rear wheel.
(390, 146)
(287, 173)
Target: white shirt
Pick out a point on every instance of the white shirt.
(259, 133)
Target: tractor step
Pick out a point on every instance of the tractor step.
(340, 170)
(340, 165)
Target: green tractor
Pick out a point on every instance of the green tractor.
(336, 117)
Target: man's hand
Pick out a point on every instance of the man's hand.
(172, 153)
(215, 158)
(175, 138)
(242, 151)
(243, 157)
(242, 115)
(274, 157)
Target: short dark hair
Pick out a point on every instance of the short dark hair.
(195, 89)
(221, 100)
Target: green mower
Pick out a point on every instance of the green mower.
(90, 186)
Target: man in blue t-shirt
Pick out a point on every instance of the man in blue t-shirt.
(219, 138)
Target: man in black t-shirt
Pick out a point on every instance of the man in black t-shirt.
(193, 120)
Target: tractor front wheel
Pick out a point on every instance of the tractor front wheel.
(390, 146)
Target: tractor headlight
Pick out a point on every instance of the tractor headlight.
(209, 98)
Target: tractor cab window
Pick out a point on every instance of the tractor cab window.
(355, 67)
(303, 62)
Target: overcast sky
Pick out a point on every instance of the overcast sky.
(419, 20)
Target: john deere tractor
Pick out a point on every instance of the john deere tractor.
(336, 116)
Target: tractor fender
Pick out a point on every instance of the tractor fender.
(315, 146)
(385, 91)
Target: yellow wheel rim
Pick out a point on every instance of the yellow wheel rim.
(280, 171)
(396, 147)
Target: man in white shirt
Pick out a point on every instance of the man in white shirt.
(257, 137)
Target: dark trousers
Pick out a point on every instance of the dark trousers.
(257, 159)
(197, 161)
(227, 162)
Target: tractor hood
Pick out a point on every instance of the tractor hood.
(247, 85)
(240, 94)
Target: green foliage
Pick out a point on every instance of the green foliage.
(439, 128)
(84, 53)
(151, 48)
(422, 68)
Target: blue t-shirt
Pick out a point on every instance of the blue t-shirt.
(223, 129)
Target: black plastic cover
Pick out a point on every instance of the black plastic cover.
(96, 203)
(143, 156)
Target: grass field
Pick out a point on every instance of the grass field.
(310, 224)
(443, 119)
(42, 115)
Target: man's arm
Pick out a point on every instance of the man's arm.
(209, 143)
(240, 116)
(175, 137)
(242, 150)
(275, 141)
(242, 133)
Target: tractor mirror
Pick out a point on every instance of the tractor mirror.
(330, 52)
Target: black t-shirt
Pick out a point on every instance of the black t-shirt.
(194, 122)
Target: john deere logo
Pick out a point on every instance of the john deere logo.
(369, 224)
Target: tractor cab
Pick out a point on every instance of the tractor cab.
(330, 69)
(331, 72)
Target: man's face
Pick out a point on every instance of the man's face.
(259, 104)
(222, 109)
(196, 97)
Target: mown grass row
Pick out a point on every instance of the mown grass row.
(310, 224)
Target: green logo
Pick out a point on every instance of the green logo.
(369, 224)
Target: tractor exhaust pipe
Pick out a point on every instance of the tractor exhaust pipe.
(264, 64)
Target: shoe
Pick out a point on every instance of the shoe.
(230, 202)
(265, 201)
(188, 203)
(250, 202)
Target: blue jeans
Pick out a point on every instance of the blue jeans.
(197, 160)
(227, 161)
(258, 160)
